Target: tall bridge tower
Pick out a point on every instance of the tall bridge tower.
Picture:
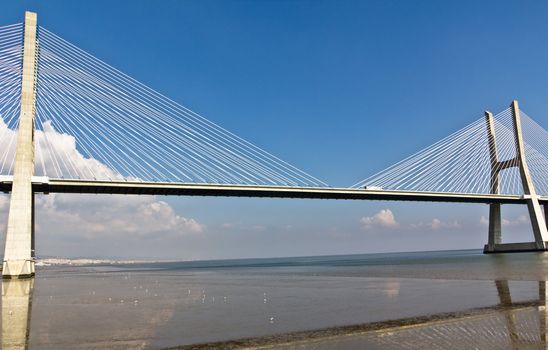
(19, 251)
(538, 221)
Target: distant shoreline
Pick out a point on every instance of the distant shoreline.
(113, 261)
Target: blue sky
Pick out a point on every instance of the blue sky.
(339, 89)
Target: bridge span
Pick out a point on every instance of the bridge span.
(44, 185)
(70, 123)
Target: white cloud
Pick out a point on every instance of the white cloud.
(57, 155)
(386, 219)
(437, 224)
(89, 216)
(519, 221)
(95, 215)
(258, 228)
(383, 219)
(162, 217)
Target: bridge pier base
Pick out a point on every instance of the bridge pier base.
(18, 269)
(538, 223)
(539, 226)
(513, 248)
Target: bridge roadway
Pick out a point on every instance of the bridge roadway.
(46, 185)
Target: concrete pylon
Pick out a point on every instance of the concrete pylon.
(18, 255)
(535, 211)
(538, 220)
(495, 224)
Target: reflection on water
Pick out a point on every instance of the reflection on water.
(512, 325)
(16, 309)
(543, 312)
(392, 289)
(508, 325)
(282, 307)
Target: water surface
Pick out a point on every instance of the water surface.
(398, 301)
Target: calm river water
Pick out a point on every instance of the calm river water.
(445, 300)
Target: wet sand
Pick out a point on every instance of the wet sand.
(457, 329)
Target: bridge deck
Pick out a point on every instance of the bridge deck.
(184, 189)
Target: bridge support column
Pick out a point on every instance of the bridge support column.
(538, 220)
(495, 227)
(18, 253)
(535, 212)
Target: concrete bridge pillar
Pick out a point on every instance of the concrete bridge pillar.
(495, 223)
(495, 227)
(18, 255)
(538, 219)
(535, 212)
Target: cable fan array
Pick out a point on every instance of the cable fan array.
(11, 62)
(94, 122)
(461, 163)
(536, 151)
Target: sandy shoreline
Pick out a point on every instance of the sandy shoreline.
(335, 334)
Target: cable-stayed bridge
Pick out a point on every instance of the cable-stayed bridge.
(74, 124)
